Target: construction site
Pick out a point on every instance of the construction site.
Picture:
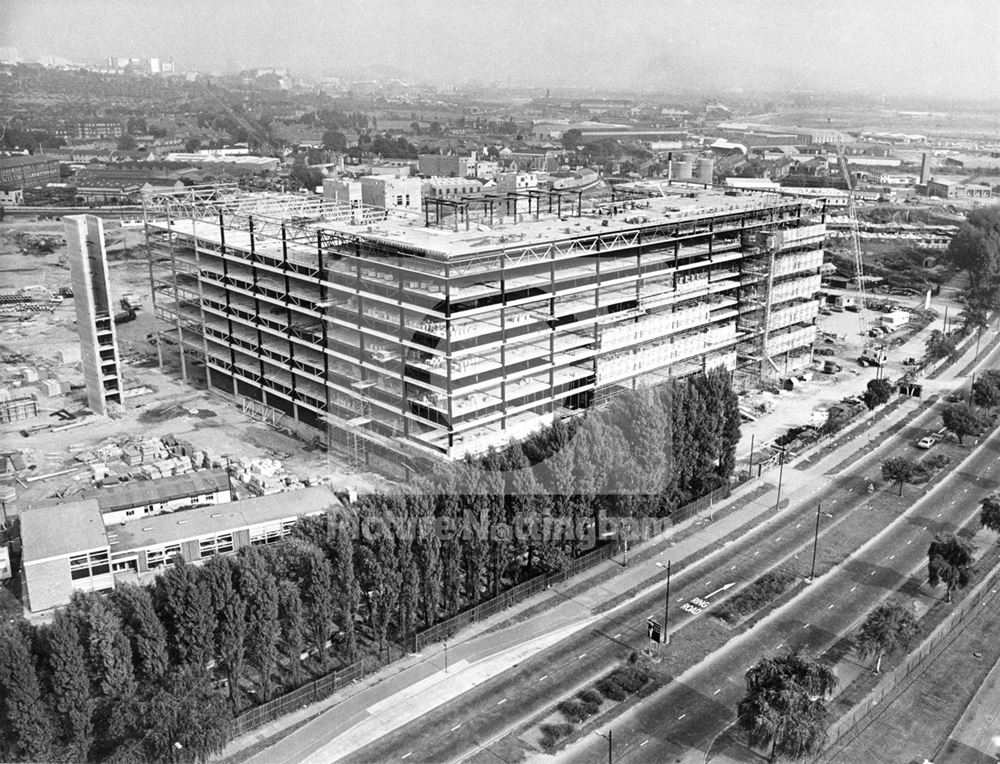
(396, 336)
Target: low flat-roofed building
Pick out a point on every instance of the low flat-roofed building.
(21, 171)
(951, 189)
(66, 546)
(139, 500)
(448, 188)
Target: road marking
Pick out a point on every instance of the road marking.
(834, 501)
(798, 525)
(925, 527)
(617, 635)
(406, 755)
(966, 490)
(805, 626)
(939, 514)
(778, 646)
(830, 607)
(910, 541)
(874, 572)
(717, 691)
(892, 556)
(682, 599)
(733, 568)
(643, 742)
(681, 717)
(582, 657)
(544, 678)
(502, 702)
(853, 588)
(457, 726)
(778, 539)
(757, 552)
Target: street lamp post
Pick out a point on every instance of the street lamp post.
(812, 570)
(666, 610)
(608, 738)
(446, 657)
(781, 471)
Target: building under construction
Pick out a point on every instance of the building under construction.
(478, 320)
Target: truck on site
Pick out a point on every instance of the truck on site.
(131, 302)
(873, 355)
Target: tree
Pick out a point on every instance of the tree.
(976, 249)
(887, 630)
(191, 145)
(68, 686)
(127, 143)
(230, 621)
(334, 140)
(879, 391)
(185, 719)
(26, 726)
(784, 707)
(185, 608)
(989, 517)
(986, 389)
(435, 129)
(960, 419)
(939, 345)
(571, 139)
(949, 561)
(134, 605)
(898, 469)
(259, 588)
(292, 628)
(347, 593)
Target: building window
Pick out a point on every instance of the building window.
(399, 201)
(216, 545)
(88, 565)
(271, 532)
(159, 557)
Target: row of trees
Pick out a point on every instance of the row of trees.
(140, 673)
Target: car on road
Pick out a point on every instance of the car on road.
(927, 441)
(955, 397)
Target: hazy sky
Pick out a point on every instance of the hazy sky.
(933, 47)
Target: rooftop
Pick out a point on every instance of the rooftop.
(61, 530)
(670, 204)
(220, 518)
(19, 161)
(163, 489)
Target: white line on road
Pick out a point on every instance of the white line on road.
(584, 655)
(457, 726)
(681, 717)
(910, 541)
(834, 501)
(617, 635)
(925, 527)
(939, 514)
(643, 742)
(544, 678)
(733, 568)
(778, 539)
(892, 556)
(717, 691)
(502, 702)
(805, 626)
(778, 646)
(757, 552)
(830, 607)
(681, 599)
(406, 755)
(874, 572)
(853, 588)
(798, 525)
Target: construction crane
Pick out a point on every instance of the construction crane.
(872, 354)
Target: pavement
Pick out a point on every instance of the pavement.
(372, 709)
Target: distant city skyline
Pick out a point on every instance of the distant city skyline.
(886, 47)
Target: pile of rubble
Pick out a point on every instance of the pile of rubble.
(265, 476)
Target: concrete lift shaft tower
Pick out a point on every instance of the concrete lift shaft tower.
(95, 323)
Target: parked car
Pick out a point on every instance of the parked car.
(956, 397)
(927, 441)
